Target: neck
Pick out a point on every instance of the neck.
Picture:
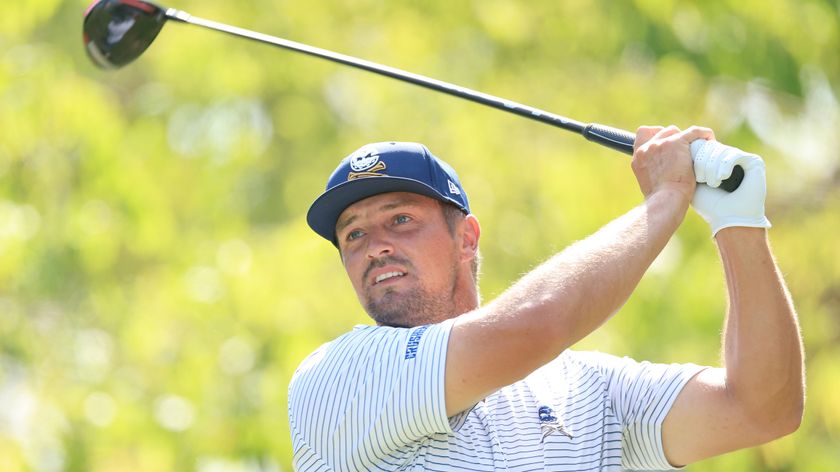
(464, 300)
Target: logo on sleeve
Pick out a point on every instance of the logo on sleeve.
(414, 342)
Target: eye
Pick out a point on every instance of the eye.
(356, 233)
(402, 219)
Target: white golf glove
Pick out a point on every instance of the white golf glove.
(713, 163)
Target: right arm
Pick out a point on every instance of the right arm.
(577, 290)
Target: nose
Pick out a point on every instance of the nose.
(379, 244)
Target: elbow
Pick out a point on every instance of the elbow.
(768, 429)
(787, 426)
(783, 420)
(770, 416)
(794, 411)
(793, 419)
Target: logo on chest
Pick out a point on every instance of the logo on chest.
(549, 423)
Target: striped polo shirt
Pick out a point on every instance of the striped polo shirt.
(373, 399)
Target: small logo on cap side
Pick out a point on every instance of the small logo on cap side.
(453, 188)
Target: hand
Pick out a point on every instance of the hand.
(662, 161)
(713, 163)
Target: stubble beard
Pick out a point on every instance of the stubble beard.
(415, 306)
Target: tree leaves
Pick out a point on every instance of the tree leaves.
(158, 283)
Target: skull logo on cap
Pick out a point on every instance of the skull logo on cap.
(364, 158)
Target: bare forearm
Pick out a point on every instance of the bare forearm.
(762, 344)
(577, 290)
(558, 303)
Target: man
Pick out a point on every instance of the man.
(442, 383)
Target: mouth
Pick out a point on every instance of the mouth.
(393, 275)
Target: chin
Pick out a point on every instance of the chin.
(396, 317)
(415, 307)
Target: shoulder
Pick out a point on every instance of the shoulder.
(335, 372)
(594, 359)
(575, 371)
(589, 363)
(607, 365)
(623, 368)
(368, 393)
(618, 374)
(365, 350)
(347, 349)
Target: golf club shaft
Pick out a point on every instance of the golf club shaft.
(613, 138)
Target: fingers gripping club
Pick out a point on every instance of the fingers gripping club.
(713, 162)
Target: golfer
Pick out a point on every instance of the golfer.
(443, 382)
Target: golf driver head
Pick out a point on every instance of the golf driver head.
(117, 31)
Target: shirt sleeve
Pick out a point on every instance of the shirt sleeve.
(367, 400)
(641, 394)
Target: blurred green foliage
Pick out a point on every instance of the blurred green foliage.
(158, 283)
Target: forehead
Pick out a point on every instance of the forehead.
(385, 202)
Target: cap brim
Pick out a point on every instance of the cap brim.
(325, 210)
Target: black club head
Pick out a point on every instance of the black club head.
(117, 31)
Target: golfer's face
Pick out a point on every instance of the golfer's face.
(396, 246)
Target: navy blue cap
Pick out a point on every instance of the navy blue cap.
(380, 168)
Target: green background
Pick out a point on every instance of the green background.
(159, 285)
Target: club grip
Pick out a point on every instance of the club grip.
(734, 180)
(613, 138)
(622, 141)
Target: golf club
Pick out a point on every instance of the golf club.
(118, 31)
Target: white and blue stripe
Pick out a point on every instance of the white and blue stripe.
(373, 399)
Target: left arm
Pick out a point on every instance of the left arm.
(759, 394)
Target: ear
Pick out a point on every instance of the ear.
(470, 234)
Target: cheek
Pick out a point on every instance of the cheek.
(437, 260)
(354, 270)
